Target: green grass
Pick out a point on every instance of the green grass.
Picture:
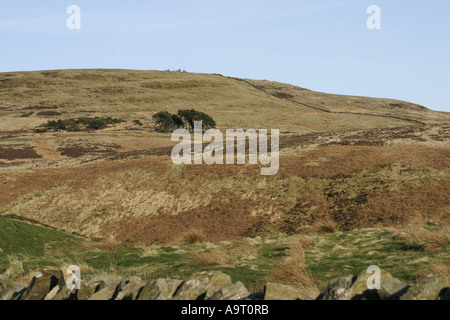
(331, 256)
(20, 238)
(359, 249)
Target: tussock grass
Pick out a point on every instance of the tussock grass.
(293, 270)
(229, 254)
(430, 234)
(242, 249)
(194, 236)
(218, 256)
(110, 245)
(430, 240)
(439, 269)
(301, 240)
(256, 287)
(15, 270)
(149, 252)
(66, 260)
(325, 225)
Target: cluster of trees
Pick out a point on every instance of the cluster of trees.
(166, 122)
(81, 123)
(56, 125)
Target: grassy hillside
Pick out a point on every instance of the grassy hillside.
(365, 180)
(23, 238)
(25, 248)
(357, 181)
(28, 98)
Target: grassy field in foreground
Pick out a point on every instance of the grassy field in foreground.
(26, 248)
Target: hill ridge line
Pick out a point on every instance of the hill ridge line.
(325, 110)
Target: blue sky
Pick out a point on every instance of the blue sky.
(322, 45)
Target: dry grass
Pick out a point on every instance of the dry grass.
(15, 270)
(64, 260)
(325, 225)
(430, 240)
(148, 200)
(110, 246)
(194, 236)
(343, 103)
(431, 234)
(293, 270)
(442, 270)
(219, 256)
(230, 254)
(256, 287)
(242, 249)
(149, 252)
(126, 94)
(301, 240)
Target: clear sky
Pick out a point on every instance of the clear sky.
(322, 45)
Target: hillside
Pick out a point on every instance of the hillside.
(348, 165)
(342, 104)
(28, 98)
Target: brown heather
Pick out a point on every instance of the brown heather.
(292, 270)
(150, 200)
(341, 171)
